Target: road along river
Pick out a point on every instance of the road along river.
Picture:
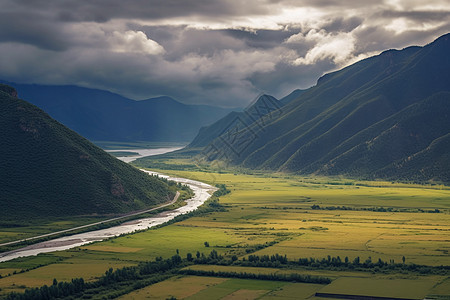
(202, 192)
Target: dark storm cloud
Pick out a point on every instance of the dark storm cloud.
(105, 10)
(421, 15)
(260, 38)
(31, 28)
(379, 39)
(220, 52)
(293, 78)
(190, 40)
(342, 24)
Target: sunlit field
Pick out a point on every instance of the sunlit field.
(267, 215)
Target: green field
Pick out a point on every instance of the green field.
(267, 215)
(194, 287)
(398, 288)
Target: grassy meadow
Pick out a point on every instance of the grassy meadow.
(278, 214)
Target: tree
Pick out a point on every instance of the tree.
(176, 259)
(189, 257)
(213, 254)
(403, 259)
(206, 244)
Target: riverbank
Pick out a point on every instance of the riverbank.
(201, 190)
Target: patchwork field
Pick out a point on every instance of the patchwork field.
(267, 215)
(396, 288)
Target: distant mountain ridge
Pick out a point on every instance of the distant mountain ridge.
(264, 105)
(386, 117)
(49, 170)
(104, 116)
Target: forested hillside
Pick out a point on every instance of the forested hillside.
(49, 170)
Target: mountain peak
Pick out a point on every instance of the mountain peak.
(264, 100)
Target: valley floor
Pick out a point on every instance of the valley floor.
(289, 216)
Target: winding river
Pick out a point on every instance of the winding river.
(202, 193)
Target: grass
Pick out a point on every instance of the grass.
(64, 271)
(262, 208)
(293, 291)
(299, 270)
(237, 288)
(280, 205)
(13, 231)
(442, 288)
(178, 287)
(398, 288)
(154, 243)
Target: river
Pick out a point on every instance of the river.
(202, 193)
(143, 152)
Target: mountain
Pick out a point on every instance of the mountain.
(104, 116)
(292, 96)
(235, 121)
(383, 117)
(49, 170)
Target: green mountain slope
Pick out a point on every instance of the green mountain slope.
(265, 105)
(49, 170)
(322, 131)
(398, 144)
(259, 113)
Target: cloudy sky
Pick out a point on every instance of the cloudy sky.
(218, 52)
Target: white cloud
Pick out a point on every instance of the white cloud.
(134, 42)
(337, 47)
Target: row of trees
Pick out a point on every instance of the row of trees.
(266, 258)
(336, 263)
(126, 279)
(332, 263)
(292, 277)
(222, 190)
(376, 209)
(56, 290)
